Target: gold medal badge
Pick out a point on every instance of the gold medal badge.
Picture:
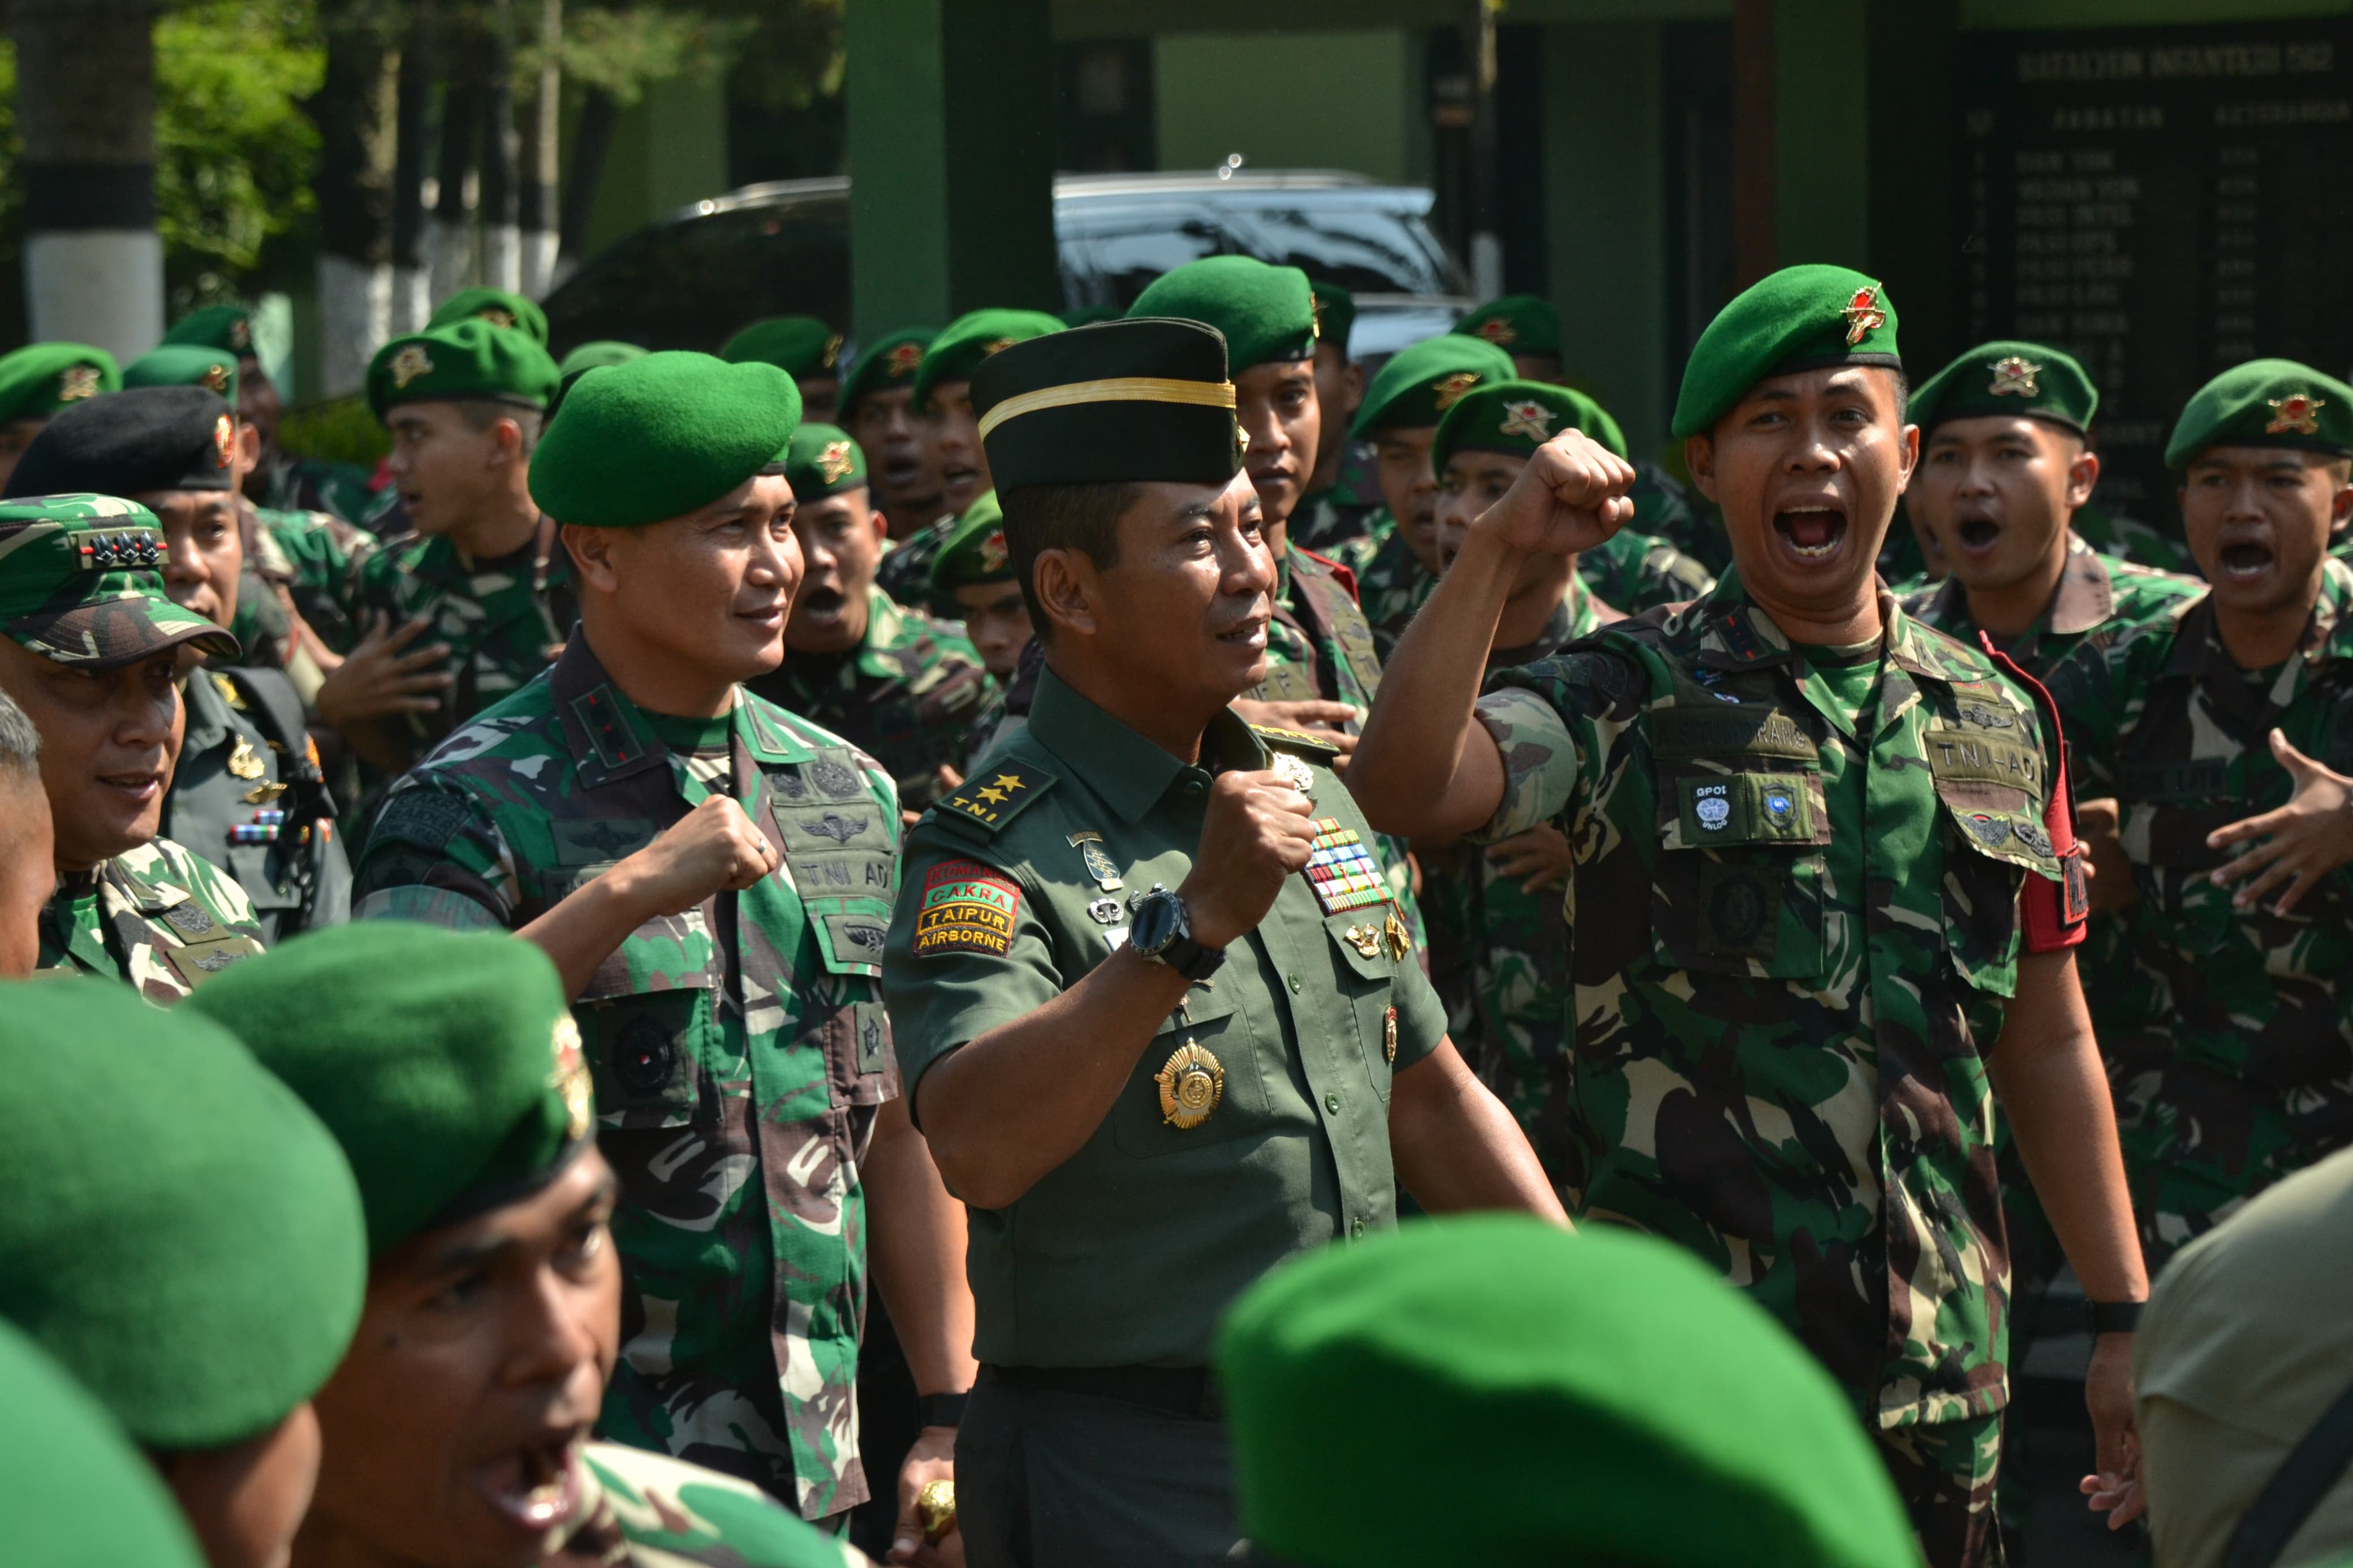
(244, 762)
(1400, 940)
(1365, 939)
(1191, 1085)
(1389, 1037)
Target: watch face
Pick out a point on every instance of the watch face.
(1153, 924)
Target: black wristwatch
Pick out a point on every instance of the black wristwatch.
(2112, 1317)
(941, 1409)
(1159, 930)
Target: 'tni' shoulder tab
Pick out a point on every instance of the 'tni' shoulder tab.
(1298, 743)
(993, 796)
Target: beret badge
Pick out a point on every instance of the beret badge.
(2014, 375)
(240, 333)
(1864, 314)
(1498, 331)
(832, 355)
(1449, 389)
(215, 379)
(2298, 412)
(1529, 418)
(903, 361)
(996, 346)
(408, 365)
(993, 554)
(224, 440)
(570, 1079)
(834, 461)
(77, 382)
(497, 317)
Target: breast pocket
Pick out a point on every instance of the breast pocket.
(642, 1015)
(1738, 887)
(1994, 838)
(1196, 1084)
(1367, 945)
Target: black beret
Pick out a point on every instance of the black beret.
(1136, 400)
(128, 443)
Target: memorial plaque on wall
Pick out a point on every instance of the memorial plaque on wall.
(2161, 203)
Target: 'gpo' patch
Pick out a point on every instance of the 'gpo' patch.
(968, 908)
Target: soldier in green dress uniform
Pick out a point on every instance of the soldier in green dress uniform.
(2223, 730)
(903, 687)
(92, 656)
(1824, 900)
(1331, 513)
(1148, 984)
(877, 409)
(197, 1265)
(41, 379)
(713, 875)
(247, 792)
(457, 1427)
(802, 347)
(278, 479)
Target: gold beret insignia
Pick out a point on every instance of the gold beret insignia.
(408, 365)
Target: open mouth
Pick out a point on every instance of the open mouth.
(952, 473)
(1977, 534)
(535, 1487)
(820, 603)
(2247, 558)
(1813, 532)
(902, 471)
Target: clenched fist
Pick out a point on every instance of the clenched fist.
(1258, 829)
(714, 848)
(1571, 496)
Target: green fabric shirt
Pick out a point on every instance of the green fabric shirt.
(639, 1510)
(160, 917)
(2097, 592)
(1637, 571)
(1782, 1066)
(1128, 1251)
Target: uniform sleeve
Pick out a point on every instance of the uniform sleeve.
(2052, 914)
(1539, 761)
(435, 856)
(967, 953)
(1421, 1016)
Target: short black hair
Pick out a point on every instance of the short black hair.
(20, 743)
(481, 413)
(1084, 517)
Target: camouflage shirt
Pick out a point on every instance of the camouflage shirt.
(321, 560)
(2230, 1044)
(157, 916)
(1691, 523)
(1782, 1067)
(1640, 571)
(740, 1050)
(2095, 593)
(909, 694)
(313, 484)
(1391, 582)
(905, 570)
(1329, 519)
(644, 1511)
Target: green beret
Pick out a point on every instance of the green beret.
(186, 364)
(2004, 379)
(973, 551)
(495, 306)
(1088, 315)
(1516, 417)
(822, 461)
(448, 1066)
(2265, 402)
(971, 338)
(142, 438)
(1606, 1397)
(602, 352)
(467, 360)
(81, 582)
(1517, 323)
(73, 1492)
(888, 364)
(800, 346)
(660, 437)
(227, 327)
(1136, 400)
(1335, 314)
(1419, 385)
(196, 1254)
(38, 379)
(1267, 313)
(1800, 317)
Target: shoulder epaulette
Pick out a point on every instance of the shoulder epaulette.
(995, 795)
(1298, 743)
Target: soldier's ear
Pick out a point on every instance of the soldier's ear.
(1699, 461)
(1066, 589)
(592, 555)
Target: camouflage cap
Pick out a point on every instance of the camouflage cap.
(227, 327)
(75, 1492)
(42, 378)
(1419, 383)
(468, 361)
(660, 437)
(822, 461)
(186, 364)
(199, 1266)
(800, 346)
(1798, 318)
(973, 551)
(140, 439)
(2007, 379)
(449, 1068)
(2265, 402)
(1267, 313)
(1516, 417)
(971, 338)
(80, 583)
(1335, 314)
(1615, 1402)
(1517, 323)
(496, 306)
(888, 364)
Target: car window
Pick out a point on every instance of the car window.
(1365, 250)
(1113, 256)
(689, 285)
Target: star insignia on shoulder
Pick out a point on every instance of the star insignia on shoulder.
(2298, 412)
(1529, 418)
(2014, 375)
(1864, 314)
(1008, 781)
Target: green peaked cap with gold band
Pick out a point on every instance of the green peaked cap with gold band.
(888, 364)
(971, 338)
(227, 327)
(1613, 1400)
(1516, 417)
(450, 1068)
(1419, 383)
(2265, 402)
(2007, 379)
(1517, 323)
(1267, 313)
(1798, 318)
(81, 582)
(496, 306)
(1140, 399)
(975, 552)
(1335, 314)
(185, 365)
(822, 461)
(73, 1489)
(199, 1265)
(660, 437)
(799, 345)
(471, 360)
(39, 379)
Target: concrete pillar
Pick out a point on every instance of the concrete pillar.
(951, 158)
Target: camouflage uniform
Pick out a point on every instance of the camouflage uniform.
(1330, 519)
(2124, 539)
(1691, 523)
(643, 1510)
(1783, 1067)
(909, 694)
(158, 916)
(905, 570)
(313, 484)
(1391, 584)
(740, 1050)
(1638, 571)
(2229, 1042)
(321, 560)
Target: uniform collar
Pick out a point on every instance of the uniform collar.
(2198, 647)
(610, 737)
(2086, 597)
(1129, 772)
(208, 715)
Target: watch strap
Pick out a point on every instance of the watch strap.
(1191, 960)
(941, 1409)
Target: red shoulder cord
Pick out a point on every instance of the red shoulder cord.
(2054, 912)
(1347, 576)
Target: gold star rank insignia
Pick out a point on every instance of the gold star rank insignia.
(2014, 375)
(1864, 314)
(1529, 419)
(1450, 389)
(408, 365)
(2298, 412)
(1008, 781)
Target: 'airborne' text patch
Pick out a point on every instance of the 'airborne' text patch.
(968, 908)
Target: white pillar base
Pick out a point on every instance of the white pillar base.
(412, 300)
(539, 249)
(103, 286)
(451, 249)
(502, 256)
(354, 320)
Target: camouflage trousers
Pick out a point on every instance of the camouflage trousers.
(1945, 1472)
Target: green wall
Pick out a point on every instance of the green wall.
(670, 148)
(1292, 100)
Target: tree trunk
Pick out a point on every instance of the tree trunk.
(86, 108)
(412, 299)
(590, 140)
(542, 131)
(461, 115)
(355, 109)
(501, 239)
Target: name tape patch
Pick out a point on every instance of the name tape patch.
(968, 908)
